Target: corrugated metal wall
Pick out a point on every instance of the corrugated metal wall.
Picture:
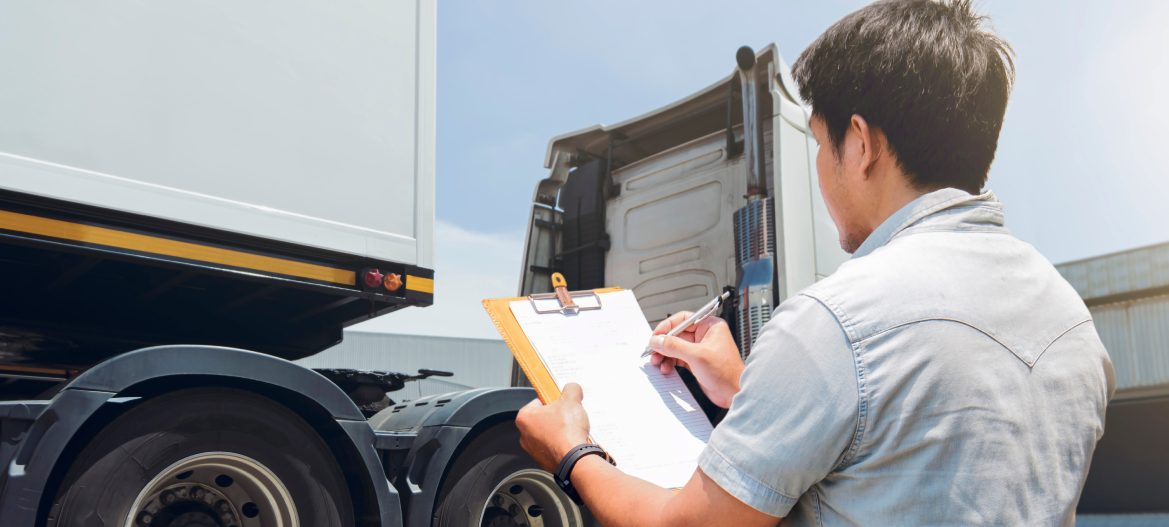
(1128, 295)
(1136, 334)
(1118, 274)
(476, 363)
(431, 386)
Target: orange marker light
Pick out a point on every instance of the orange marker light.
(393, 282)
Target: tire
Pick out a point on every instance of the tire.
(226, 457)
(495, 483)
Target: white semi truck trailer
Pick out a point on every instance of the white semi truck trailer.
(192, 194)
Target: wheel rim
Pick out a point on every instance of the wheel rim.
(214, 489)
(529, 498)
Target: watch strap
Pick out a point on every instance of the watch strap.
(564, 469)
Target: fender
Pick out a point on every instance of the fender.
(442, 425)
(30, 481)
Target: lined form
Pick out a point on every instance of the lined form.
(650, 423)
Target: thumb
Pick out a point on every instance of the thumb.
(674, 347)
(573, 392)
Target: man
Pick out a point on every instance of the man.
(946, 374)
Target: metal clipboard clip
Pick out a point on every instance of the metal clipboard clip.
(566, 305)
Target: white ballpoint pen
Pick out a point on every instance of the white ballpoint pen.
(702, 313)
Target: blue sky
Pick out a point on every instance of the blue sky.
(1077, 168)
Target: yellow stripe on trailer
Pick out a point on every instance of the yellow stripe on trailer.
(65, 230)
(420, 284)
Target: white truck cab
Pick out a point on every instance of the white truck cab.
(685, 201)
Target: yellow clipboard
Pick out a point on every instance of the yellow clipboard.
(499, 309)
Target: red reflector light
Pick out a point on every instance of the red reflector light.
(372, 278)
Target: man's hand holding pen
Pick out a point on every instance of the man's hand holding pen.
(706, 348)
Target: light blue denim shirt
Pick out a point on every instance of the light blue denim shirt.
(945, 375)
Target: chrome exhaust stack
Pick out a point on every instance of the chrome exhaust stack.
(755, 222)
(752, 124)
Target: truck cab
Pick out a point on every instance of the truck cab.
(714, 192)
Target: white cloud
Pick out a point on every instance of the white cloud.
(469, 266)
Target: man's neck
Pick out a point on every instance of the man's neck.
(892, 200)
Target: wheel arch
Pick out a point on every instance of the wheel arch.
(481, 413)
(445, 426)
(94, 399)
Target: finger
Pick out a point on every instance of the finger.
(675, 347)
(710, 322)
(656, 359)
(526, 412)
(667, 366)
(706, 325)
(573, 392)
(673, 320)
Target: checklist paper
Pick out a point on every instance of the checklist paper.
(649, 422)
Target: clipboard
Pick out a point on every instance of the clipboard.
(499, 309)
(648, 421)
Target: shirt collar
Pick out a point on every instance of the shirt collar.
(929, 205)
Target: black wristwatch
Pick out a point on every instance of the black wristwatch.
(564, 469)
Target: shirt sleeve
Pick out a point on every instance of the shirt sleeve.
(796, 412)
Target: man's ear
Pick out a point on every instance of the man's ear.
(870, 143)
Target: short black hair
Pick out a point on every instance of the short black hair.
(926, 74)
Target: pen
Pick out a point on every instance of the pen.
(702, 313)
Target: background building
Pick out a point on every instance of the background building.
(1128, 294)
(476, 363)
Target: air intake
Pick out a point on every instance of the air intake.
(755, 252)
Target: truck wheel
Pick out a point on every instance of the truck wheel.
(494, 483)
(207, 457)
